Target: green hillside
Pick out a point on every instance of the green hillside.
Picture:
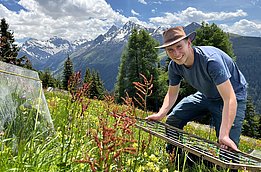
(248, 52)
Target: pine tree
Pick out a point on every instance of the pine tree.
(212, 35)
(121, 84)
(28, 63)
(251, 123)
(47, 79)
(67, 72)
(8, 48)
(97, 89)
(87, 77)
(138, 57)
(99, 86)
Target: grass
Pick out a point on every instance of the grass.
(93, 135)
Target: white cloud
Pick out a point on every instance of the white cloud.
(69, 19)
(254, 2)
(137, 21)
(157, 2)
(193, 15)
(142, 1)
(243, 27)
(134, 13)
(81, 19)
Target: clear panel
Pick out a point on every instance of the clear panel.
(23, 105)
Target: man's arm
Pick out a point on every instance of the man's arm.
(228, 114)
(168, 102)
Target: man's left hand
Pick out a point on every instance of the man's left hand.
(226, 142)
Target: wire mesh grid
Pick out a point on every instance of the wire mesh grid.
(200, 147)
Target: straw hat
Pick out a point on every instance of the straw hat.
(174, 35)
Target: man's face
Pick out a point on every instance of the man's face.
(179, 52)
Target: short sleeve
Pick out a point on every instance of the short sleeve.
(218, 70)
(174, 78)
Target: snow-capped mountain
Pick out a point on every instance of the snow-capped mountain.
(41, 53)
(45, 49)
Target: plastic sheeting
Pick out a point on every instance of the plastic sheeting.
(22, 99)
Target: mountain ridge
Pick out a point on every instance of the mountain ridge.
(103, 52)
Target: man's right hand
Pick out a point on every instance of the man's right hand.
(168, 102)
(155, 117)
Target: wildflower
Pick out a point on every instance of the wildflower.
(140, 169)
(153, 158)
(135, 145)
(165, 170)
(52, 103)
(73, 141)
(150, 165)
(82, 165)
(22, 108)
(156, 169)
(129, 162)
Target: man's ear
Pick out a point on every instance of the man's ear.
(189, 42)
(166, 52)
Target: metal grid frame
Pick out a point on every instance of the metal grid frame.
(200, 147)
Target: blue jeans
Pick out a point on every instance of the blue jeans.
(196, 105)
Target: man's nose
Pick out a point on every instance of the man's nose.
(175, 53)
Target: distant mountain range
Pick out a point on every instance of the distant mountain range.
(103, 53)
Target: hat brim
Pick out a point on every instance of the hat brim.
(191, 36)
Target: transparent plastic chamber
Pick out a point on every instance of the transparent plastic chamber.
(23, 107)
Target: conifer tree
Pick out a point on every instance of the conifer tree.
(138, 57)
(28, 63)
(8, 48)
(67, 72)
(212, 35)
(97, 89)
(47, 79)
(122, 83)
(251, 123)
(87, 77)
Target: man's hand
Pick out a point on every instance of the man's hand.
(226, 142)
(155, 117)
(168, 102)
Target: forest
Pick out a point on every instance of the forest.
(248, 51)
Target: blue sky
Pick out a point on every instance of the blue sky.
(86, 19)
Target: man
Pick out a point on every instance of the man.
(221, 87)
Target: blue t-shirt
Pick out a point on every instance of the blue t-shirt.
(211, 67)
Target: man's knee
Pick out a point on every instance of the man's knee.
(235, 132)
(175, 122)
(236, 128)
